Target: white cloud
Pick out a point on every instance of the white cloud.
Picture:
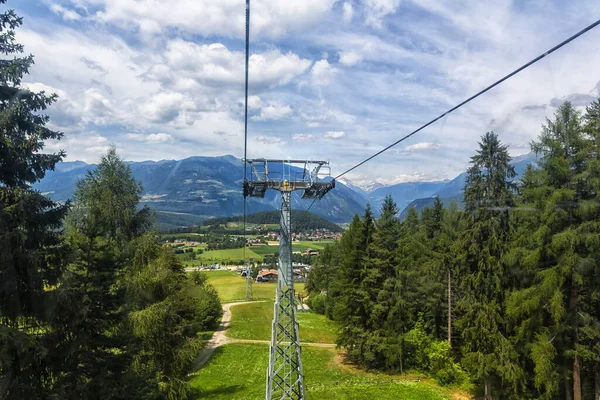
(216, 66)
(67, 14)
(254, 103)
(422, 146)
(85, 147)
(97, 108)
(210, 17)
(322, 73)
(273, 112)
(303, 137)
(348, 12)
(268, 139)
(334, 134)
(376, 10)
(186, 78)
(165, 107)
(153, 138)
(350, 58)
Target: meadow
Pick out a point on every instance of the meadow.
(232, 287)
(219, 256)
(253, 253)
(237, 372)
(253, 321)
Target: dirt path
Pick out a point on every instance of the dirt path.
(219, 338)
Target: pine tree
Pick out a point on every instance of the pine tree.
(488, 195)
(30, 250)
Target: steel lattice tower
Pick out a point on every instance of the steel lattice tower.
(285, 377)
(248, 282)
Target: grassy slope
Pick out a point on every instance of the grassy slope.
(237, 371)
(232, 287)
(253, 321)
(228, 255)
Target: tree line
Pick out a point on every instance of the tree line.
(92, 306)
(504, 294)
(304, 222)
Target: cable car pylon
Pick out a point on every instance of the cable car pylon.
(285, 376)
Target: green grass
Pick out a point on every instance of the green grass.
(237, 371)
(232, 287)
(253, 321)
(219, 256)
(318, 245)
(264, 250)
(296, 246)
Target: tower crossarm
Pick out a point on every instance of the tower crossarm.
(306, 178)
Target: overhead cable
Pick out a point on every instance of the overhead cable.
(488, 88)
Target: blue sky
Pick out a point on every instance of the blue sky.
(334, 80)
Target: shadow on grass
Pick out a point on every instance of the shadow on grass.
(209, 394)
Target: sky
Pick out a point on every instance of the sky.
(332, 80)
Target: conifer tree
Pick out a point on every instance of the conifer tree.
(488, 195)
(559, 252)
(30, 248)
(352, 308)
(434, 270)
(590, 331)
(380, 282)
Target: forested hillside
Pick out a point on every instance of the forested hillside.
(302, 221)
(505, 293)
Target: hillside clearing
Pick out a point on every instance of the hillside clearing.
(237, 371)
(253, 321)
(232, 287)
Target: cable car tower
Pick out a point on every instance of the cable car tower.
(285, 378)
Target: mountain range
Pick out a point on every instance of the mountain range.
(203, 186)
(195, 188)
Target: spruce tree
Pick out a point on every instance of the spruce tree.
(352, 308)
(100, 229)
(590, 307)
(30, 248)
(434, 270)
(383, 346)
(488, 196)
(558, 252)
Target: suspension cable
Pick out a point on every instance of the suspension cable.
(246, 121)
(488, 88)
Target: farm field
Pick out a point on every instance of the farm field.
(264, 250)
(237, 371)
(253, 253)
(219, 256)
(232, 287)
(253, 321)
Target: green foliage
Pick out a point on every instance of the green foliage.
(31, 253)
(317, 303)
(506, 290)
(134, 333)
(433, 356)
